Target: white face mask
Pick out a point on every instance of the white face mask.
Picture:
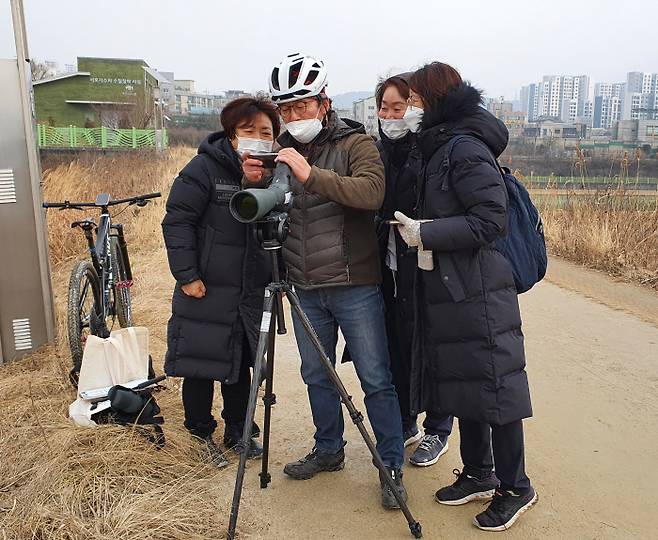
(413, 117)
(253, 146)
(394, 128)
(304, 131)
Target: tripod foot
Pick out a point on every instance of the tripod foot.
(265, 479)
(416, 529)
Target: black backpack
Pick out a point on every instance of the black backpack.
(523, 245)
(135, 407)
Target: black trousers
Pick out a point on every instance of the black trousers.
(399, 330)
(480, 440)
(198, 397)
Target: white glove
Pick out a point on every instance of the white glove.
(425, 260)
(409, 229)
(410, 233)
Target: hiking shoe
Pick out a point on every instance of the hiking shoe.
(315, 462)
(430, 449)
(389, 502)
(233, 436)
(254, 451)
(215, 454)
(411, 435)
(466, 489)
(505, 508)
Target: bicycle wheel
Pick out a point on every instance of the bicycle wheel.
(84, 297)
(122, 285)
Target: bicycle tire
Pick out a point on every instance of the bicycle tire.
(83, 278)
(122, 299)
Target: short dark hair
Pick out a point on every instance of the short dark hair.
(398, 82)
(243, 110)
(433, 81)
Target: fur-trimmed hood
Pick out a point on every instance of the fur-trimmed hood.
(460, 113)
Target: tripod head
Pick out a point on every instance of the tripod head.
(272, 230)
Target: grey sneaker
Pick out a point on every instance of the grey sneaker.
(505, 508)
(389, 502)
(466, 489)
(430, 449)
(215, 454)
(313, 463)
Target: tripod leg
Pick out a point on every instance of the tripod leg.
(356, 416)
(243, 446)
(269, 398)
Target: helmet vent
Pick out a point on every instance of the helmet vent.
(312, 76)
(293, 74)
(275, 78)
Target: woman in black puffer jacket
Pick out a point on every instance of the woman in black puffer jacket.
(469, 325)
(402, 165)
(221, 273)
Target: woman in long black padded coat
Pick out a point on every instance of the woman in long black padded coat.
(221, 273)
(469, 325)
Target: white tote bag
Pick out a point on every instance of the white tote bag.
(123, 358)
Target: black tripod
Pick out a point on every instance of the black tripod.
(271, 234)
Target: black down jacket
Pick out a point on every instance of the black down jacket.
(402, 164)
(469, 331)
(205, 336)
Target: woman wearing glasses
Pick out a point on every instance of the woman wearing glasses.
(469, 321)
(221, 273)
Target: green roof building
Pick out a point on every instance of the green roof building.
(107, 92)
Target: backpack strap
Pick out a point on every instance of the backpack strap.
(445, 164)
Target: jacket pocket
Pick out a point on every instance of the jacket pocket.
(450, 276)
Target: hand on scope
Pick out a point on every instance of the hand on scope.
(196, 289)
(252, 168)
(297, 163)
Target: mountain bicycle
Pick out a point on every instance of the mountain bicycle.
(99, 288)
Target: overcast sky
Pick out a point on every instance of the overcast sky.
(498, 45)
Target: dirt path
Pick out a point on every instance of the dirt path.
(592, 447)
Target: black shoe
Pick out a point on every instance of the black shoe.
(411, 435)
(466, 489)
(389, 502)
(254, 451)
(314, 463)
(233, 436)
(215, 454)
(505, 508)
(430, 449)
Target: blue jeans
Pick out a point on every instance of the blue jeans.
(359, 312)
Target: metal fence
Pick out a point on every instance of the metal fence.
(102, 137)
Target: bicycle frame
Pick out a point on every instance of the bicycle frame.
(101, 257)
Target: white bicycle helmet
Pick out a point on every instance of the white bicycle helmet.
(298, 76)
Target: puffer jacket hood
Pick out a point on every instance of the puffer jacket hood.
(460, 113)
(218, 147)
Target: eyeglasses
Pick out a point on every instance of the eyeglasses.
(299, 107)
(414, 100)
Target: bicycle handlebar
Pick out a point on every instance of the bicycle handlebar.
(81, 205)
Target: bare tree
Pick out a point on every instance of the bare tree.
(39, 70)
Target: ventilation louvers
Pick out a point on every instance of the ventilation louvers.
(22, 334)
(7, 186)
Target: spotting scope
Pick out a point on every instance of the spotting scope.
(253, 204)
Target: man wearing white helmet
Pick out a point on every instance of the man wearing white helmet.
(332, 260)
